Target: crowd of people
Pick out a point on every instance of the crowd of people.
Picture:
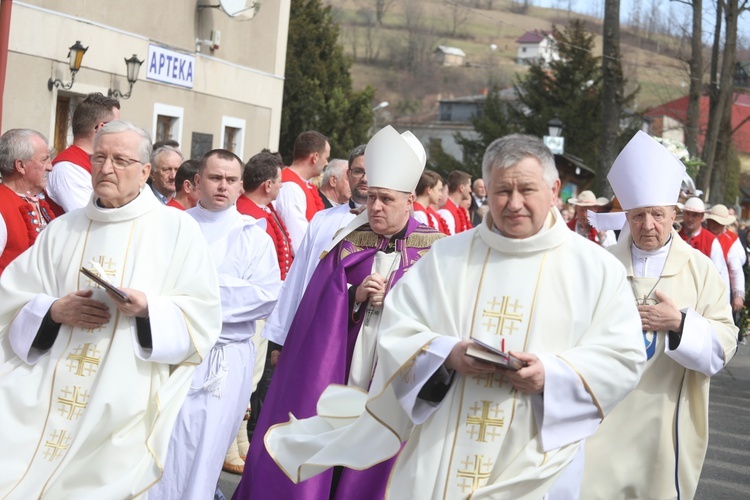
(384, 330)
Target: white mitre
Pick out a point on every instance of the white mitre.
(646, 174)
(394, 161)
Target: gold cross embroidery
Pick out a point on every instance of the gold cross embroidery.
(490, 379)
(475, 472)
(84, 358)
(499, 318)
(480, 421)
(109, 267)
(55, 447)
(72, 402)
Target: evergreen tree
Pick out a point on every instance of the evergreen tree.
(490, 124)
(569, 89)
(318, 87)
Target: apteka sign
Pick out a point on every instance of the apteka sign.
(172, 67)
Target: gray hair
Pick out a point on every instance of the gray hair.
(119, 126)
(511, 149)
(356, 153)
(161, 150)
(15, 144)
(336, 168)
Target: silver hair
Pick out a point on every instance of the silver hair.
(15, 144)
(119, 126)
(336, 168)
(156, 153)
(511, 149)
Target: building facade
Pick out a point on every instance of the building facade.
(208, 80)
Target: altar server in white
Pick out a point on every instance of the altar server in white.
(522, 282)
(90, 385)
(249, 278)
(654, 443)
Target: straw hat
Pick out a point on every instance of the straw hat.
(720, 214)
(588, 199)
(694, 205)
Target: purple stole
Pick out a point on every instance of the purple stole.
(317, 352)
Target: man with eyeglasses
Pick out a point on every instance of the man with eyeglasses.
(91, 381)
(652, 445)
(69, 183)
(332, 338)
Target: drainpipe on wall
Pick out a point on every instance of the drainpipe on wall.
(5, 7)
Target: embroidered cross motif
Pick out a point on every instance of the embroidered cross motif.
(54, 448)
(72, 402)
(481, 421)
(109, 266)
(84, 358)
(475, 472)
(499, 318)
(490, 379)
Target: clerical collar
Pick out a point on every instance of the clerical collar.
(553, 234)
(650, 263)
(392, 239)
(144, 202)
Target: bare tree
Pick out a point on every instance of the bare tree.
(719, 120)
(459, 14)
(371, 36)
(612, 93)
(381, 8)
(696, 76)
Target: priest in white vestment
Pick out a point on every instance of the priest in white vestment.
(249, 279)
(90, 385)
(524, 283)
(654, 443)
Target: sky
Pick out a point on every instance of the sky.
(670, 11)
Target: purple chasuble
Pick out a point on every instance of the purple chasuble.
(317, 352)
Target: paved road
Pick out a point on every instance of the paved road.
(726, 472)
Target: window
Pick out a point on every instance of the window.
(233, 135)
(167, 122)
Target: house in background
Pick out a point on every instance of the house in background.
(537, 46)
(742, 75)
(449, 56)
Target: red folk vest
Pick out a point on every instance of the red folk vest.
(176, 204)
(314, 203)
(72, 154)
(593, 235)
(274, 227)
(442, 224)
(19, 217)
(460, 216)
(701, 242)
(726, 240)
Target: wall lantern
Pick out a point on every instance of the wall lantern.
(133, 68)
(75, 55)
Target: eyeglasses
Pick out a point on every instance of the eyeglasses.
(117, 161)
(357, 173)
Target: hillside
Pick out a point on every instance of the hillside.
(395, 57)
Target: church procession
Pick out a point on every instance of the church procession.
(174, 312)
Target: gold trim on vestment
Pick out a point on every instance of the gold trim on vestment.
(148, 446)
(585, 386)
(463, 385)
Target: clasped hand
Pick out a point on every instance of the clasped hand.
(372, 288)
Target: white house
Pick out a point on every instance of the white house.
(536, 46)
(449, 56)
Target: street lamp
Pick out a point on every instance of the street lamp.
(75, 57)
(555, 141)
(380, 106)
(133, 68)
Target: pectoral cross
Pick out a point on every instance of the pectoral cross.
(371, 311)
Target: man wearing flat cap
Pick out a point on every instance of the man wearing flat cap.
(586, 201)
(654, 442)
(365, 260)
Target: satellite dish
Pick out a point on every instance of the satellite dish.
(243, 10)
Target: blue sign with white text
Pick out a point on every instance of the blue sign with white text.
(169, 66)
